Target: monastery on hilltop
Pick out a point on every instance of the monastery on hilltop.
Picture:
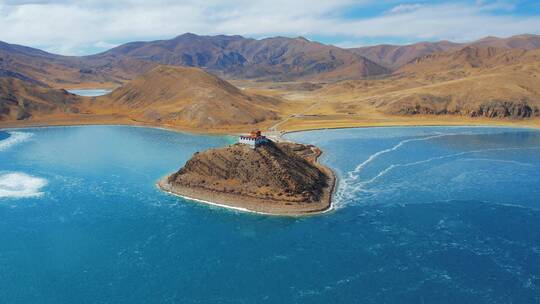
(254, 139)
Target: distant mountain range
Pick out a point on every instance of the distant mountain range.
(474, 81)
(178, 82)
(274, 59)
(44, 68)
(277, 59)
(395, 56)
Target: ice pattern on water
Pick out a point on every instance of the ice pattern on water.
(15, 138)
(352, 185)
(20, 185)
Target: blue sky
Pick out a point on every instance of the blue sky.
(90, 26)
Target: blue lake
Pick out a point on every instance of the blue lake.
(423, 215)
(90, 92)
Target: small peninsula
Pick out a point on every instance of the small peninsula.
(257, 175)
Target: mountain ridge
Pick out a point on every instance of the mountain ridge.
(275, 58)
(395, 56)
(471, 82)
(270, 59)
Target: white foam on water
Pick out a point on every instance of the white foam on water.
(20, 185)
(15, 137)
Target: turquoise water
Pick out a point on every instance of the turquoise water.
(423, 215)
(90, 92)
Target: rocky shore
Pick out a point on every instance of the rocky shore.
(275, 178)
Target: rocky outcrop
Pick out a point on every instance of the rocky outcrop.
(442, 105)
(280, 178)
(271, 171)
(422, 105)
(501, 108)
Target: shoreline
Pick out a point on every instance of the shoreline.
(279, 137)
(113, 120)
(281, 133)
(509, 126)
(157, 127)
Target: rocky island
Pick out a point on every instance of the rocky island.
(257, 175)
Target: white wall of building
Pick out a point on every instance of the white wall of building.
(248, 141)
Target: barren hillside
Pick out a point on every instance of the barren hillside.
(472, 82)
(21, 100)
(186, 96)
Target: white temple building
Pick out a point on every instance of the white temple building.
(254, 139)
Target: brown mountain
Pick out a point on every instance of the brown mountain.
(469, 58)
(276, 178)
(22, 100)
(188, 97)
(473, 81)
(525, 42)
(276, 58)
(44, 68)
(395, 56)
(166, 95)
(232, 56)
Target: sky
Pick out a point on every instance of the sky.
(90, 26)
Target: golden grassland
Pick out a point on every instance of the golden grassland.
(113, 119)
(300, 114)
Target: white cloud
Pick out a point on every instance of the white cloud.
(71, 27)
(495, 5)
(457, 22)
(105, 45)
(346, 44)
(405, 8)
